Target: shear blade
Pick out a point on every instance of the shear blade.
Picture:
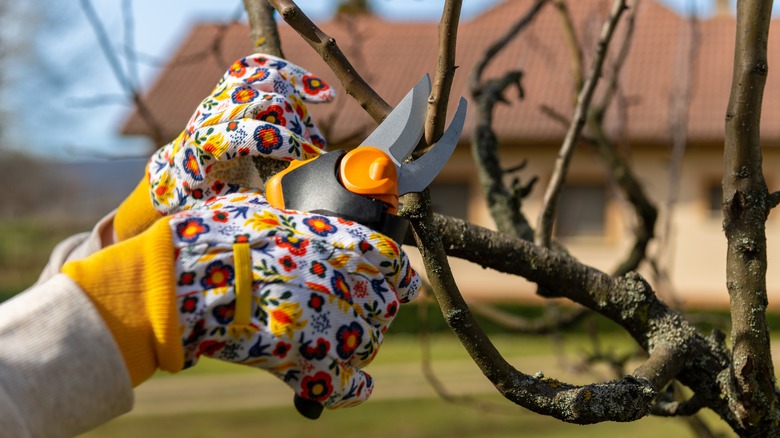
(403, 128)
(417, 175)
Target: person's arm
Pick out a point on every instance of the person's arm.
(61, 372)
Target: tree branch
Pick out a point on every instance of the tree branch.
(627, 300)
(262, 28)
(113, 61)
(536, 326)
(547, 215)
(504, 205)
(265, 39)
(746, 204)
(445, 72)
(327, 48)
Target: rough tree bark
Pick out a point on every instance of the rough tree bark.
(746, 203)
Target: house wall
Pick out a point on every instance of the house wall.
(694, 256)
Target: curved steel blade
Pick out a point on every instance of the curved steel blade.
(402, 129)
(415, 176)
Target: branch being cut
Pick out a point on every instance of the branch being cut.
(126, 83)
(746, 204)
(265, 39)
(547, 215)
(445, 71)
(262, 28)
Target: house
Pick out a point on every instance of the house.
(595, 223)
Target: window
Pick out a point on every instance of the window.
(450, 198)
(581, 211)
(714, 200)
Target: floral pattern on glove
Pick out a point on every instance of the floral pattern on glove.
(256, 109)
(324, 291)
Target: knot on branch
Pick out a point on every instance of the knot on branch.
(624, 400)
(631, 296)
(628, 399)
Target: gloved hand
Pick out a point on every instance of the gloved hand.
(304, 296)
(256, 109)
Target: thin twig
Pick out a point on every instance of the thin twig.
(113, 61)
(535, 326)
(546, 218)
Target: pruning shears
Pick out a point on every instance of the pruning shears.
(363, 185)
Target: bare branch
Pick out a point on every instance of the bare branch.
(445, 71)
(262, 28)
(537, 326)
(119, 74)
(492, 51)
(754, 396)
(679, 109)
(676, 408)
(575, 50)
(621, 400)
(327, 48)
(774, 199)
(627, 300)
(504, 203)
(265, 39)
(546, 218)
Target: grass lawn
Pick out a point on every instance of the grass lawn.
(25, 246)
(215, 399)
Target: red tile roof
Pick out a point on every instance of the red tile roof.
(393, 55)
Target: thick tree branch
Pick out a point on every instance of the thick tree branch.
(627, 300)
(547, 215)
(621, 400)
(746, 204)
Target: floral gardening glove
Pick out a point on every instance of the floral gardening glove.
(304, 296)
(256, 109)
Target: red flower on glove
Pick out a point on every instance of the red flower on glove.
(218, 274)
(268, 138)
(274, 114)
(349, 338)
(317, 387)
(244, 95)
(313, 85)
(190, 229)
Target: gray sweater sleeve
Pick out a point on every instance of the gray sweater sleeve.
(61, 372)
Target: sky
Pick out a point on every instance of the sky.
(83, 104)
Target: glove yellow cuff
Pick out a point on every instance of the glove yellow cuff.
(132, 285)
(136, 213)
